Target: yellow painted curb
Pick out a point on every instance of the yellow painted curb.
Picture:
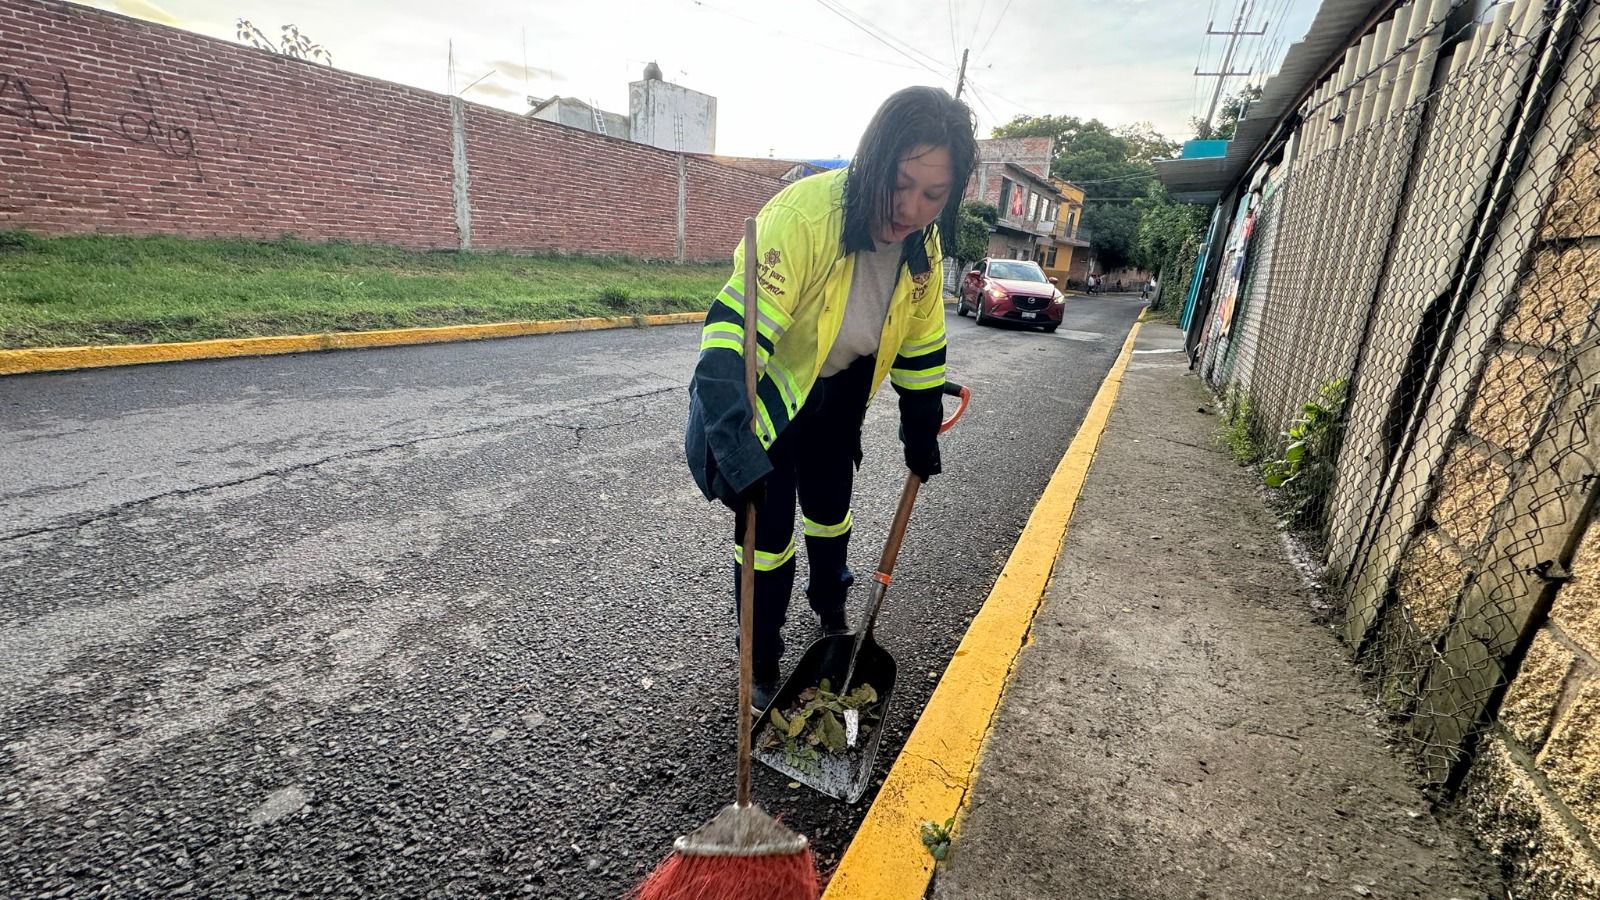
(56, 359)
(934, 772)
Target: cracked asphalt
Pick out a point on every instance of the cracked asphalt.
(434, 621)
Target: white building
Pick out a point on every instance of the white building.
(660, 113)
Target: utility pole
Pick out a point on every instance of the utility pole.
(961, 80)
(1225, 73)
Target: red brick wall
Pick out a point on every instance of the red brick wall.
(113, 125)
(541, 186)
(719, 199)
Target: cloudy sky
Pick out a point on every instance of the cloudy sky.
(792, 78)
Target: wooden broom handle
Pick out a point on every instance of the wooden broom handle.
(747, 563)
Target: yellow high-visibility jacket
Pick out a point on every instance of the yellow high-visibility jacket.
(804, 278)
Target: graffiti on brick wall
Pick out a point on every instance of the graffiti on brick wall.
(43, 106)
(145, 124)
(184, 125)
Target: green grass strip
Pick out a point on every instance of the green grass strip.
(72, 291)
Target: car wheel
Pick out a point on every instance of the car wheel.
(1051, 329)
(978, 316)
(961, 307)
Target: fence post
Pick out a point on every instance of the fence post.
(460, 187)
(683, 204)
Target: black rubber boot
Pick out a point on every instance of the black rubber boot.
(834, 622)
(763, 688)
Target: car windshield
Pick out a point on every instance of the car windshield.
(1016, 271)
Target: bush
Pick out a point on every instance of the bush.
(1305, 471)
(19, 242)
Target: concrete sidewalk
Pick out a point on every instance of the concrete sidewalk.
(1180, 725)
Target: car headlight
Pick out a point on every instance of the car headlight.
(997, 293)
(1060, 298)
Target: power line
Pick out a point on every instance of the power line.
(913, 52)
(869, 29)
(950, 7)
(767, 27)
(1276, 17)
(1119, 178)
(978, 95)
(1003, 10)
(1224, 72)
(1021, 107)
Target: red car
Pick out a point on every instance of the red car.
(1011, 290)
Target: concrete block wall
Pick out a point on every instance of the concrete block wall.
(111, 125)
(1533, 789)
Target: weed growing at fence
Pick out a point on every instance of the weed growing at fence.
(1235, 436)
(1304, 473)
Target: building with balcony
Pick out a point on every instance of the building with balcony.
(1068, 259)
(1013, 176)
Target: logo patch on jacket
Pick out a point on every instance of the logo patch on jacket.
(767, 271)
(921, 281)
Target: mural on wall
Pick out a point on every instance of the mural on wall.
(1238, 250)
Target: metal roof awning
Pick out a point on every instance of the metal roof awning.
(1194, 180)
(1205, 180)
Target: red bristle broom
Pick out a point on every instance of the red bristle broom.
(743, 853)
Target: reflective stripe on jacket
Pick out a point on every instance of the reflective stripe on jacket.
(804, 279)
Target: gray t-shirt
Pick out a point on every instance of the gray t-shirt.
(871, 287)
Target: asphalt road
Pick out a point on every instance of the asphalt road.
(434, 621)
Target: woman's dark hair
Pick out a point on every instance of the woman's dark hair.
(910, 118)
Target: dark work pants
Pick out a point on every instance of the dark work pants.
(814, 460)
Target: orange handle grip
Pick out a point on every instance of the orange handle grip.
(955, 390)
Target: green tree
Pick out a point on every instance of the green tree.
(1114, 231)
(981, 210)
(1106, 162)
(1166, 230)
(972, 243)
(293, 43)
(1227, 117)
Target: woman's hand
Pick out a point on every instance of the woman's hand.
(923, 459)
(755, 493)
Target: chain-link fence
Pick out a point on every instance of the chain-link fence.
(1402, 324)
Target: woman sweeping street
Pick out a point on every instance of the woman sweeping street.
(850, 293)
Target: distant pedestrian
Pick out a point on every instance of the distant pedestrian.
(1091, 284)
